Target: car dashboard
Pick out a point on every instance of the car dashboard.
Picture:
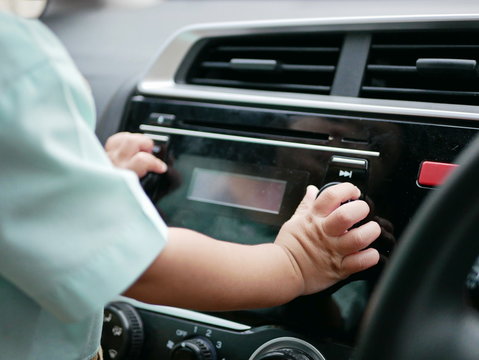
(247, 114)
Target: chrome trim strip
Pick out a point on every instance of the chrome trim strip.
(349, 161)
(308, 101)
(162, 138)
(252, 140)
(185, 314)
(159, 80)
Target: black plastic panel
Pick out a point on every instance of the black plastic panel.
(164, 332)
(403, 144)
(392, 148)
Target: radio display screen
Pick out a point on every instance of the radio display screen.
(237, 190)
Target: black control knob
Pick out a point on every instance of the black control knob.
(155, 184)
(285, 354)
(122, 334)
(197, 348)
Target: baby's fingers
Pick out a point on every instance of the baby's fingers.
(142, 163)
(332, 197)
(126, 144)
(358, 239)
(344, 217)
(308, 200)
(359, 261)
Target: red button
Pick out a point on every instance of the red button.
(434, 173)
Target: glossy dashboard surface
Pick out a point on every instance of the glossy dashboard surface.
(394, 148)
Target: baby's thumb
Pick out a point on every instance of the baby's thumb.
(308, 200)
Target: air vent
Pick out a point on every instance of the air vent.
(423, 66)
(303, 63)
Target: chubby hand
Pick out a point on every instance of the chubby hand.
(134, 152)
(320, 241)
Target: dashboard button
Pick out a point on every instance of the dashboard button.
(434, 173)
(161, 119)
(160, 148)
(345, 169)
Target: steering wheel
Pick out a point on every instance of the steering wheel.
(420, 309)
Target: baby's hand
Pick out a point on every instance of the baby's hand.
(317, 240)
(133, 152)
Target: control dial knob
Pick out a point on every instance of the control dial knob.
(197, 348)
(285, 354)
(122, 334)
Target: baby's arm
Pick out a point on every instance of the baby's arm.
(312, 251)
(133, 151)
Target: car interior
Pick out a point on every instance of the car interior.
(250, 101)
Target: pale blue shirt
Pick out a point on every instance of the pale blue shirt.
(74, 231)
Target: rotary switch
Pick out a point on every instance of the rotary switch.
(151, 181)
(122, 334)
(197, 348)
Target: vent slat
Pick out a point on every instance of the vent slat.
(425, 47)
(216, 65)
(268, 86)
(281, 67)
(312, 68)
(392, 68)
(278, 49)
(392, 72)
(304, 63)
(378, 89)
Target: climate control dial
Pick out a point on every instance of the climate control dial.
(122, 335)
(197, 348)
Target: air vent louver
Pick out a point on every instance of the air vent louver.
(422, 66)
(303, 63)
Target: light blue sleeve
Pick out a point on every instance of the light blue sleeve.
(74, 231)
